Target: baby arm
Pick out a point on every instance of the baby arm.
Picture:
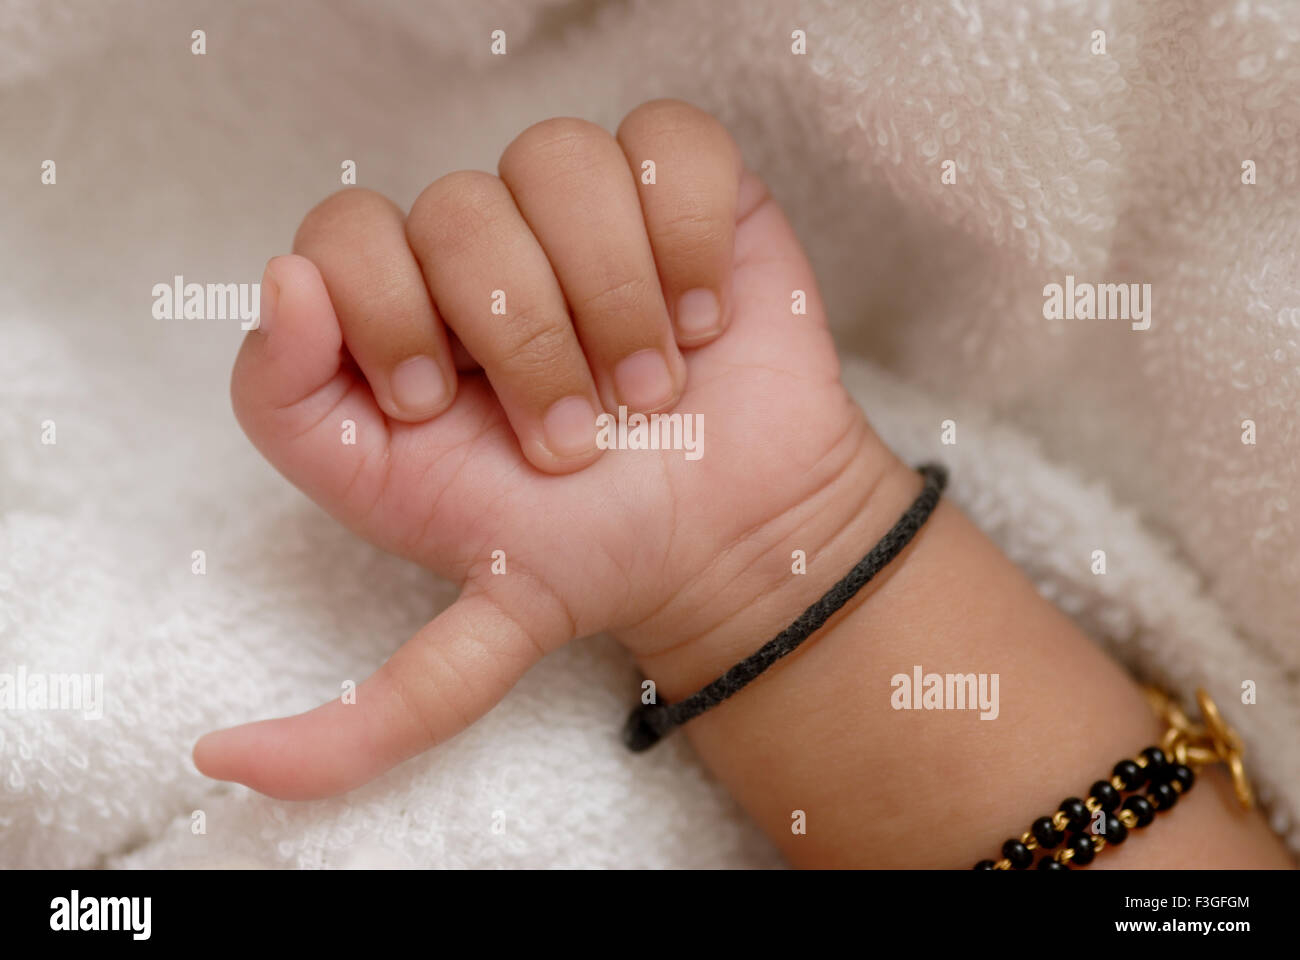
(881, 787)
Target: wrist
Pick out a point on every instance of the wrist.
(762, 585)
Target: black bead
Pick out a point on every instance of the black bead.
(1182, 774)
(1048, 863)
(1158, 774)
(984, 865)
(1130, 774)
(1162, 796)
(1019, 855)
(1045, 833)
(1075, 812)
(1105, 795)
(1083, 849)
(1115, 831)
(1155, 759)
(1142, 809)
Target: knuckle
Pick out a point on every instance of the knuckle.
(342, 210)
(565, 141)
(683, 130)
(658, 117)
(625, 297)
(534, 344)
(417, 709)
(454, 210)
(695, 233)
(468, 685)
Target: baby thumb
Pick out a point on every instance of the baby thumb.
(450, 673)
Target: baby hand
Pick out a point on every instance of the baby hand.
(646, 271)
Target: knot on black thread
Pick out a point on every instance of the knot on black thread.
(646, 726)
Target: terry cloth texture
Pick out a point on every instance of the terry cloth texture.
(1072, 435)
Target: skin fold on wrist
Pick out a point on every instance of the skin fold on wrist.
(786, 567)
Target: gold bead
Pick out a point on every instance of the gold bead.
(1200, 756)
(1240, 782)
(1128, 818)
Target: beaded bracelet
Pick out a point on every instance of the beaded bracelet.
(1105, 818)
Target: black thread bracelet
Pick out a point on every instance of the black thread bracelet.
(650, 722)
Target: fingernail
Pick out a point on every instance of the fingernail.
(269, 300)
(570, 427)
(697, 313)
(643, 380)
(418, 386)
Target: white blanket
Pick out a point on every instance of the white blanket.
(1072, 435)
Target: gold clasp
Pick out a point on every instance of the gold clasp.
(1201, 744)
